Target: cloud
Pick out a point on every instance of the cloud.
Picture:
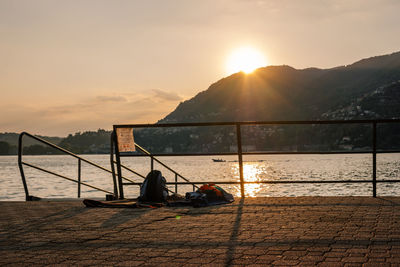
(101, 111)
(164, 95)
(103, 98)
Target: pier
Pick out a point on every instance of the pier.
(278, 231)
(324, 231)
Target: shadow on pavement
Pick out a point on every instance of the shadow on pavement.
(235, 231)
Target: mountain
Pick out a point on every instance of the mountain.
(90, 142)
(286, 93)
(9, 144)
(366, 89)
(12, 139)
(382, 103)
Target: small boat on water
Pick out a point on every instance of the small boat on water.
(219, 160)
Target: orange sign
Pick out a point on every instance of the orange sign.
(125, 140)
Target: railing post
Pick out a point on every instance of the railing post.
(176, 185)
(239, 146)
(374, 158)
(112, 165)
(79, 178)
(21, 168)
(151, 163)
(119, 170)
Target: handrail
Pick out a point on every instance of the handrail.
(64, 150)
(240, 153)
(233, 123)
(120, 166)
(265, 153)
(163, 164)
(132, 171)
(65, 177)
(21, 163)
(278, 182)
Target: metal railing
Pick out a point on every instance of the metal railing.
(21, 163)
(120, 166)
(240, 152)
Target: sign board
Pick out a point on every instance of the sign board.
(125, 140)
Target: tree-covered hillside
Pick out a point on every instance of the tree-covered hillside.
(285, 93)
(91, 142)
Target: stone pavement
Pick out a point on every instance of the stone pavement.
(325, 231)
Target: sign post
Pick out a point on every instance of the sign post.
(124, 143)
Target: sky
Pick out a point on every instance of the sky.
(78, 65)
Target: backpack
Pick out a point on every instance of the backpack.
(153, 189)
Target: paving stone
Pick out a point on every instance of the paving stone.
(376, 264)
(354, 259)
(285, 262)
(330, 264)
(304, 231)
(332, 259)
(352, 265)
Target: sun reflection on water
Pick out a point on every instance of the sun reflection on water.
(252, 172)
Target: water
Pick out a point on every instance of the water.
(201, 168)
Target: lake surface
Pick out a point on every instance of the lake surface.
(202, 168)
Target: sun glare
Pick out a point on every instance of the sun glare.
(245, 59)
(252, 172)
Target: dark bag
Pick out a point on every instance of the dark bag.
(215, 193)
(197, 199)
(153, 189)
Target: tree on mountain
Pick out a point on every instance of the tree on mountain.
(4, 148)
(88, 142)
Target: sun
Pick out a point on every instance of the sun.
(245, 59)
